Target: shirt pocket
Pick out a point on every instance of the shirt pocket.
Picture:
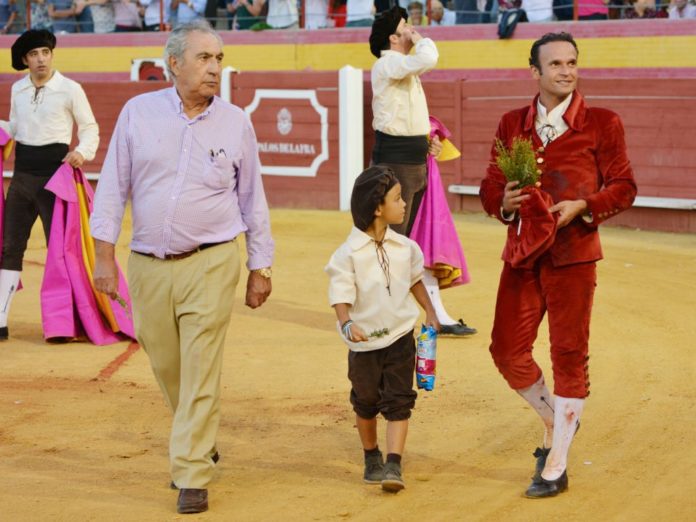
(220, 173)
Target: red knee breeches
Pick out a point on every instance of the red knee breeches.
(524, 296)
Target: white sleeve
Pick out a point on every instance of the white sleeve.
(341, 278)
(397, 66)
(113, 187)
(416, 263)
(87, 128)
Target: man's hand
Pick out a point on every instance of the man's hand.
(568, 210)
(258, 290)
(105, 270)
(435, 147)
(512, 198)
(74, 158)
(415, 36)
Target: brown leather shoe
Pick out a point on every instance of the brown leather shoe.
(192, 501)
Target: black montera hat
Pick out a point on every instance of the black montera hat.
(29, 40)
(369, 191)
(383, 27)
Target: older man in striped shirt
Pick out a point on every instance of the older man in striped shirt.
(190, 164)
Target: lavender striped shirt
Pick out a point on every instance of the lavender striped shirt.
(182, 196)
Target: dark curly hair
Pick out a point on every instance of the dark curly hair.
(548, 38)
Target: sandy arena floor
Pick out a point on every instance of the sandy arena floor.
(74, 447)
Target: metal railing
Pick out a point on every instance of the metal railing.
(224, 21)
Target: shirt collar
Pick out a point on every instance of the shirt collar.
(555, 116)
(390, 51)
(53, 84)
(358, 239)
(574, 114)
(178, 105)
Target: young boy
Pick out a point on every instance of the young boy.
(371, 278)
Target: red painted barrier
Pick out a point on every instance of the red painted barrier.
(659, 116)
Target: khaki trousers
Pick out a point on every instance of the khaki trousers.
(181, 311)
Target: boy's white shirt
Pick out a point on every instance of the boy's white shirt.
(356, 278)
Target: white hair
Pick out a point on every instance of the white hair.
(178, 39)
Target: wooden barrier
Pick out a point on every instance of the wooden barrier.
(106, 98)
(313, 190)
(659, 116)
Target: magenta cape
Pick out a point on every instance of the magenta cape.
(68, 304)
(433, 228)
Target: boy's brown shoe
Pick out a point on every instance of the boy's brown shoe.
(392, 481)
(374, 469)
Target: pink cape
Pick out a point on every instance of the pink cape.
(68, 305)
(433, 228)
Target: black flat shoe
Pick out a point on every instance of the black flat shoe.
(459, 329)
(547, 488)
(540, 454)
(4, 333)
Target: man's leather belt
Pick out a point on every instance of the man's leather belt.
(183, 255)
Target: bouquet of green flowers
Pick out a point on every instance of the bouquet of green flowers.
(518, 163)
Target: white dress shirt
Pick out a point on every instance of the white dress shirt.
(45, 115)
(551, 125)
(689, 11)
(538, 10)
(359, 10)
(398, 101)
(152, 11)
(356, 278)
(282, 13)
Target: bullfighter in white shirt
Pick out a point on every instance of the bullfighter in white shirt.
(402, 126)
(43, 106)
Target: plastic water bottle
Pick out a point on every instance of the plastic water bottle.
(426, 351)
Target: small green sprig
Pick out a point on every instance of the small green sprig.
(122, 303)
(518, 163)
(379, 333)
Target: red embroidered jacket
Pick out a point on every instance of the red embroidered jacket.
(587, 162)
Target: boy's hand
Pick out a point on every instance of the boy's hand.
(431, 320)
(356, 334)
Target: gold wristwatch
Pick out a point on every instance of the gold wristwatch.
(264, 272)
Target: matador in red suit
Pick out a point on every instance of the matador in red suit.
(586, 178)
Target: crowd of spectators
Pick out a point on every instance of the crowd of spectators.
(107, 16)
